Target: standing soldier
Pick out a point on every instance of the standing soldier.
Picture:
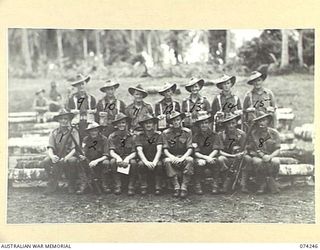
(233, 140)
(259, 98)
(177, 145)
(122, 153)
(108, 107)
(208, 145)
(61, 153)
(194, 103)
(225, 102)
(164, 107)
(149, 147)
(95, 157)
(138, 109)
(82, 104)
(265, 148)
(41, 106)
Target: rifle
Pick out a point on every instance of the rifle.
(242, 158)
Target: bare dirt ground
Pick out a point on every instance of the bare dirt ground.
(29, 205)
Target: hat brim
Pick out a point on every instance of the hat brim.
(88, 129)
(69, 115)
(200, 82)
(153, 119)
(182, 115)
(104, 88)
(236, 117)
(132, 90)
(210, 119)
(85, 80)
(123, 118)
(173, 87)
(233, 81)
(263, 77)
(269, 116)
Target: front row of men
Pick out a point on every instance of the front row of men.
(170, 158)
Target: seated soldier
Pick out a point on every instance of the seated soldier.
(233, 140)
(61, 153)
(138, 109)
(207, 145)
(177, 145)
(122, 153)
(195, 103)
(149, 147)
(264, 148)
(164, 107)
(95, 157)
(41, 106)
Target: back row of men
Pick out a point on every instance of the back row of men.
(197, 139)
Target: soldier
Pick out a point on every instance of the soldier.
(95, 152)
(164, 107)
(194, 103)
(207, 146)
(259, 98)
(82, 104)
(264, 148)
(233, 140)
(149, 147)
(225, 102)
(122, 153)
(108, 107)
(41, 106)
(61, 153)
(177, 145)
(138, 109)
(55, 103)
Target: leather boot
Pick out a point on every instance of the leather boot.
(226, 185)
(117, 183)
(215, 187)
(184, 186)
(272, 185)
(131, 185)
(97, 188)
(157, 185)
(52, 186)
(143, 184)
(106, 184)
(197, 185)
(261, 181)
(82, 188)
(176, 186)
(243, 182)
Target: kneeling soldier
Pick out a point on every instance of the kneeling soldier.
(233, 140)
(264, 148)
(95, 157)
(149, 147)
(61, 153)
(122, 153)
(177, 144)
(208, 144)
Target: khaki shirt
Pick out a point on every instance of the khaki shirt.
(259, 100)
(232, 140)
(264, 141)
(207, 142)
(111, 108)
(95, 148)
(225, 104)
(122, 143)
(177, 141)
(149, 144)
(137, 114)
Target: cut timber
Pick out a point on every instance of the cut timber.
(27, 174)
(288, 146)
(296, 169)
(287, 137)
(32, 141)
(288, 160)
(25, 161)
(27, 117)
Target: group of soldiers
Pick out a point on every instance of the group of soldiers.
(110, 147)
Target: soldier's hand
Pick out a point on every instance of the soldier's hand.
(266, 158)
(119, 160)
(93, 164)
(239, 155)
(82, 157)
(75, 111)
(211, 160)
(55, 159)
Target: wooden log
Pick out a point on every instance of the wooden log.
(287, 137)
(22, 114)
(296, 169)
(288, 146)
(27, 150)
(284, 110)
(15, 159)
(288, 160)
(27, 174)
(32, 141)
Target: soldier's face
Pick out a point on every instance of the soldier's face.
(122, 125)
(204, 125)
(167, 94)
(176, 122)
(137, 95)
(149, 125)
(263, 123)
(231, 125)
(94, 133)
(80, 87)
(195, 89)
(226, 86)
(257, 83)
(110, 91)
(64, 121)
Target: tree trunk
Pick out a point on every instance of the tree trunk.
(60, 48)
(149, 43)
(284, 50)
(228, 46)
(98, 47)
(300, 48)
(133, 42)
(26, 51)
(85, 44)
